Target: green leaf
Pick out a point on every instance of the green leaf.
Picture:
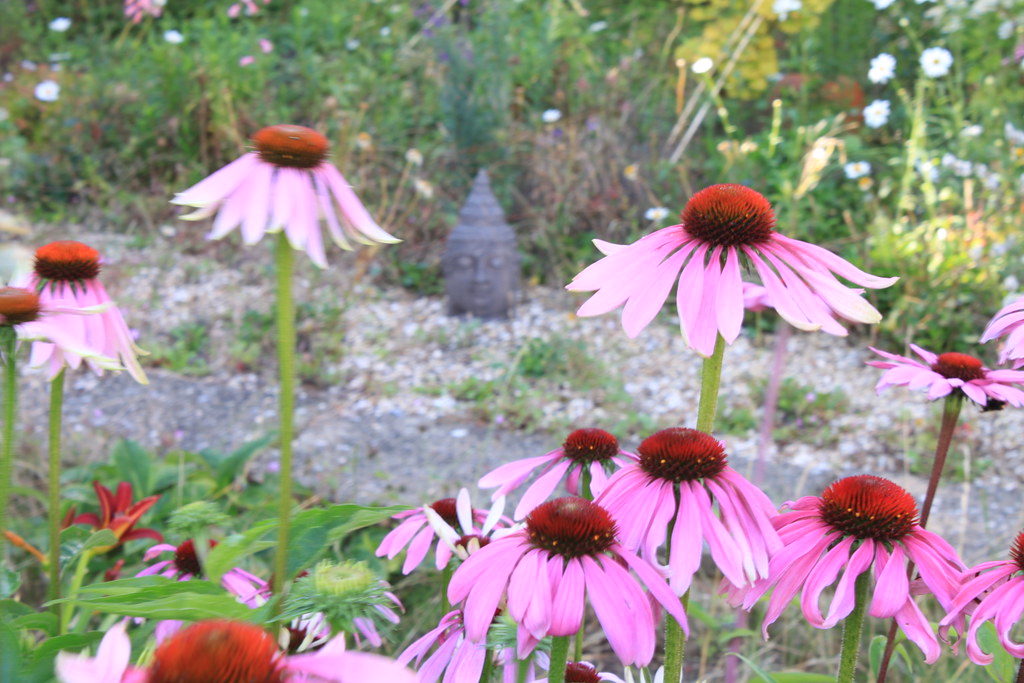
(157, 597)
(75, 642)
(231, 466)
(10, 653)
(1003, 666)
(135, 465)
(43, 621)
(100, 539)
(10, 581)
(764, 675)
(12, 609)
(802, 677)
(311, 532)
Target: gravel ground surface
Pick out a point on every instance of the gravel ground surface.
(405, 405)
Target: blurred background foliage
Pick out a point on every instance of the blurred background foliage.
(586, 112)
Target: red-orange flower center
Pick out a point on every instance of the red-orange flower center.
(729, 215)
(571, 527)
(958, 366)
(67, 261)
(1017, 551)
(866, 506)
(18, 306)
(590, 445)
(186, 561)
(445, 508)
(681, 454)
(580, 672)
(290, 146)
(217, 651)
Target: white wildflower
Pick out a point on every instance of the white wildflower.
(550, 115)
(856, 169)
(783, 7)
(876, 114)
(173, 37)
(60, 24)
(656, 213)
(47, 91)
(702, 65)
(935, 62)
(883, 68)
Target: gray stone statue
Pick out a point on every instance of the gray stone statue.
(480, 262)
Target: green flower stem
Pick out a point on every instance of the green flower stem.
(852, 628)
(8, 342)
(559, 658)
(710, 381)
(286, 398)
(523, 669)
(577, 654)
(950, 414)
(76, 584)
(485, 675)
(56, 408)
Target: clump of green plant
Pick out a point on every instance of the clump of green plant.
(804, 413)
(187, 350)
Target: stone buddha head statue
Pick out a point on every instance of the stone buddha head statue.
(480, 262)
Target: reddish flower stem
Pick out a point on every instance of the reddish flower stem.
(950, 415)
(1020, 672)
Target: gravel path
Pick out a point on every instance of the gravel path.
(404, 405)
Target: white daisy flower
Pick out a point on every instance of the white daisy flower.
(783, 7)
(47, 91)
(550, 115)
(60, 24)
(173, 37)
(702, 65)
(876, 114)
(883, 68)
(881, 4)
(856, 169)
(656, 213)
(935, 62)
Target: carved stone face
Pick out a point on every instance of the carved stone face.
(481, 278)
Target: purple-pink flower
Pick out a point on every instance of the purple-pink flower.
(569, 551)
(944, 373)
(1009, 323)
(681, 473)
(135, 10)
(68, 271)
(285, 184)
(721, 226)
(859, 524)
(991, 591)
(417, 531)
(584, 450)
(204, 651)
(185, 565)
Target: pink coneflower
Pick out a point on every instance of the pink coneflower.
(858, 522)
(944, 373)
(222, 651)
(680, 473)
(756, 298)
(457, 658)
(991, 591)
(34, 319)
(583, 672)
(184, 565)
(286, 183)
(590, 450)
(69, 271)
(1008, 322)
(720, 224)
(568, 551)
(418, 533)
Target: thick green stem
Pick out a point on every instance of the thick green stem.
(852, 628)
(56, 408)
(710, 380)
(577, 654)
(523, 669)
(559, 658)
(485, 675)
(950, 414)
(286, 403)
(8, 343)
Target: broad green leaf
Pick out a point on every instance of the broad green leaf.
(10, 653)
(43, 621)
(12, 609)
(158, 597)
(229, 467)
(10, 581)
(331, 524)
(100, 539)
(1003, 666)
(135, 465)
(73, 642)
